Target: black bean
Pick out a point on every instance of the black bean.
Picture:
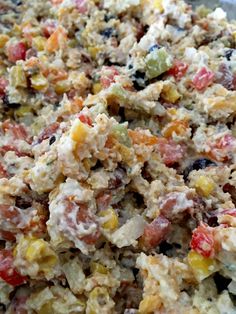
(8, 104)
(108, 32)
(198, 164)
(156, 46)
(138, 79)
(52, 140)
(228, 54)
(16, 2)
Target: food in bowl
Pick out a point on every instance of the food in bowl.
(118, 145)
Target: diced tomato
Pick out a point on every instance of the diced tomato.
(10, 148)
(142, 138)
(81, 6)
(16, 52)
(221, 148)
(7, 236)
(48, 131)
(48, 27)
(225, 141)
(173, 204)
(103, 200)
(203, 79)
(170, 151)
(108, 75)
(82, 217)
(7, 270)
(9, 212)
(3, 86)
(203, 241)
(178, 69)
(85, 119)
(3, 172)
(17, 130)
(155, 232)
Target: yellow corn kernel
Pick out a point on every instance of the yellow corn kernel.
(17, 75)
(16, 30)
(62, 87)
(98, 268)
(234, 36)
(79, 131)
(22, 111)
(172, 111)
(97, 87)
(204, 185)
(93, 51)
(46, 308)
(39, 251)
(98, 300)
(39, 42)
(170, 93)
(149, 304)
(72, 43)
(3, 40)
(158, 5)
(112, 222)
(202, 266)
(39, 82)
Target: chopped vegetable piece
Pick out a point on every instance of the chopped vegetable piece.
(18, 77)
(3, 40)
(203, 79)
(85, 119)
(121, 134)
(203, 241)
(202, 266)
(39, 82)
(150, 304)
(108, 75)
(139, 138)
(170, 93)
(112, 219)
(39, 43)
(98, 268)
(16, 52)
(157, 62)
(176, 127)
(170, 151)
(155, 232)
(79, 131)
(178, 69)
(7, 271)
(204, 185)
(158, 4)
(57, 40)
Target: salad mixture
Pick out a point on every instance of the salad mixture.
(117, 158)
